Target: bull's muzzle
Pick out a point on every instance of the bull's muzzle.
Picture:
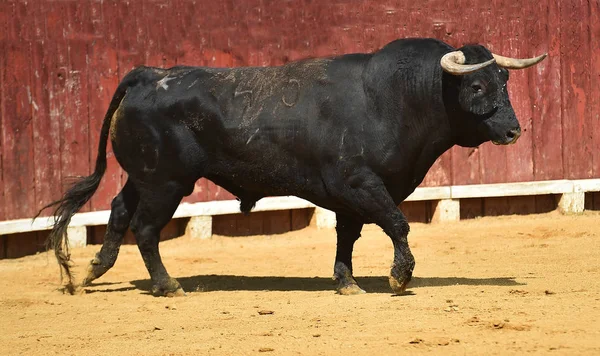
(509, 138)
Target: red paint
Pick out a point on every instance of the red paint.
(545, 91)
(17, 127)
(575, 81)
(557, 102)
(594, 96)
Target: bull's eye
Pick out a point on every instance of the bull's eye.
(477, 87)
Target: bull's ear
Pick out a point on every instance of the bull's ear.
(518, 63)
(454, 63)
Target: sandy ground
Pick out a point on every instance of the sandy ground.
(504, 285)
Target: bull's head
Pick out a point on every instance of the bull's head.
(477, 95)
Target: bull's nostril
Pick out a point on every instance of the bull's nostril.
(513, 134)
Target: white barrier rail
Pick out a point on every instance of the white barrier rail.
(448, 208)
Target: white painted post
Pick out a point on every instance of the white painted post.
(446, 210)
(324, 219)
(77, 236)
(572, 203)
(199, 227)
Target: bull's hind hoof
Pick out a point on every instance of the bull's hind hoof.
(350, 289)
(171, 288)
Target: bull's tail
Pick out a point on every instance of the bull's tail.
(82, 191)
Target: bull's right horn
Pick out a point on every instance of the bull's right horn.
(454, 63)
(518, 63)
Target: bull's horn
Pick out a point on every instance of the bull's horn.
(516, 63)
(453, 63)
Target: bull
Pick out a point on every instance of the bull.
(354, 134)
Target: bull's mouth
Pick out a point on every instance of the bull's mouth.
(507, 142)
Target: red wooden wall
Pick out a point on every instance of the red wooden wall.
(61, 60)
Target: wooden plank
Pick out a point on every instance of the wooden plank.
(301, 218)
(545, 90)
(75, 135)
(252, 224)
(23, 244)
(57, 66)
(200, 193)
(465, 165)
(575, 83)
(159, 51)
(440, 174)
(416, 211)
(596, 199)
(546, 203)
(17, 145)
(589, 201)
(519, 157)
(225, 225)
(3, 246)
(46, 131)
(3, 48)
(471, 208)
(496, 206)
(9, 23)
(215, 192)
(277, 222)
(103, 78)
(522, 205)
(594, 75)
(242, 224)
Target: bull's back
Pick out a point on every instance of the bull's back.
(261, 127)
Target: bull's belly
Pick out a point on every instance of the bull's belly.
(254, 183)
(267, 178)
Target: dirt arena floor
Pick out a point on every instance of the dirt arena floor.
(502, 285)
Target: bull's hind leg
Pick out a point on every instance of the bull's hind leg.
(157, 206)
(122, 209)
(348, 231)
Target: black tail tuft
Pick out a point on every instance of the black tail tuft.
(73, 200)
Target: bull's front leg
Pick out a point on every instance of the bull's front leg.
(366, 194)
(397, 228)
(348, 231)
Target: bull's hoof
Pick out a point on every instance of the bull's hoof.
(350, 289)
(346, 283)
(171, 288)
(399, 278)
(398, 286)
(94, 271)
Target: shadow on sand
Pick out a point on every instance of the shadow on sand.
(208, 283)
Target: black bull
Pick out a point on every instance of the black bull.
(355, 134)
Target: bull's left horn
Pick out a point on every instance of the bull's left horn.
(517, 63)
(454, 63)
